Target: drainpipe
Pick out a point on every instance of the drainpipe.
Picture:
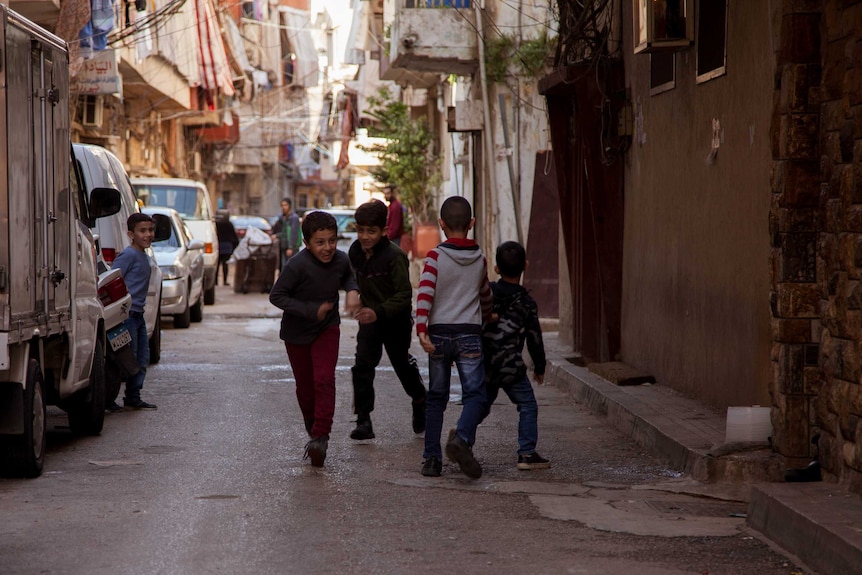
(487, 136)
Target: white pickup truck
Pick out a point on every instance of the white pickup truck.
(52, 334)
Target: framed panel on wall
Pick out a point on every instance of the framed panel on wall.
(711, 39)
(662, 72)
(662, 24)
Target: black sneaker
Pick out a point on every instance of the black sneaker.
(363, 430)
(532, 461)
(432, 467)
(316, 450)
(140, 404)
(114, 407)
(458, 451)
(419, 416)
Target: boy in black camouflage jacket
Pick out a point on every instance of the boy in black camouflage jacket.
(503, 345)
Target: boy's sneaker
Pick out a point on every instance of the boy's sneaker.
(458, 451)
(316, 450)
(532, 461)
(419, 416)
(432, 467)
(140, 404)
(363, 430)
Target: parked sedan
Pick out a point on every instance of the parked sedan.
(242, 222)
(181, 260)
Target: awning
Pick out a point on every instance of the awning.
(215, 71)
(297, 28)
(237, 48)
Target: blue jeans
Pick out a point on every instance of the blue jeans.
(465, 351)
(141, 348)
(521, 394)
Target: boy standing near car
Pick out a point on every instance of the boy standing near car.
(454, 299)
(307, 292)
(287, 231)
(385, 319)
(135, 265)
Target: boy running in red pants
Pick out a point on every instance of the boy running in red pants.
(307, 291)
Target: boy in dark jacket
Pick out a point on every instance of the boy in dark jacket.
(385, 319)
(503, 346)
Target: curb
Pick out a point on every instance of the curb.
(688, 435)
(817, 522)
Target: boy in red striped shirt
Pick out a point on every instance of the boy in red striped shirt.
(454, 299)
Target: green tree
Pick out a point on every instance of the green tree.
(406, 159)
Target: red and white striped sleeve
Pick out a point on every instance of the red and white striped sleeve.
(427, 288)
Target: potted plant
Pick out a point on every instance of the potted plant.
(407, 161)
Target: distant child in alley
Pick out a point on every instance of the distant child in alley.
(307, 292)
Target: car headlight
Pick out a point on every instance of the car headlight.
(170, 272)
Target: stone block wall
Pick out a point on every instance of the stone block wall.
(816, 229)
(795, 220)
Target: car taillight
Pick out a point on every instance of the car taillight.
(208, 248)
(109, 255)
(113, 291)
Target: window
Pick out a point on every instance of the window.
(711, 39)
(662, 24)
(662, 72)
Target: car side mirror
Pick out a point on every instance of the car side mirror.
(196, 244)
(104, 202)
(162, 227)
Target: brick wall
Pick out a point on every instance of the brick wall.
(816, 230)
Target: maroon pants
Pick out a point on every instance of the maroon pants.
(314, 369)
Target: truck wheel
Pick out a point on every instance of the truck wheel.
(26, 452)
(196, 314)
(87, 407)
(156, 339)
(209, 296)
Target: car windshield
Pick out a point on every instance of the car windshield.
(187, 201)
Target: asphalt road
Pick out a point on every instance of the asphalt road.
(214, 482)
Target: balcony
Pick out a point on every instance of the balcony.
(435, 36)
(42, 12)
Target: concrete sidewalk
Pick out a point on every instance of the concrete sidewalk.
(819, 523)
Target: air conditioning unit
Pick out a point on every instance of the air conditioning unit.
(92, 111)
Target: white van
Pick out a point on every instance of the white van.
(191, 200)
(100, 168)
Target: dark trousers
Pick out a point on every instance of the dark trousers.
(222, 263)
(393, 334)
(313, 367)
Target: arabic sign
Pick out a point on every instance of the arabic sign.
(98, 75)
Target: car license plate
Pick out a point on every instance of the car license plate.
(119, 336)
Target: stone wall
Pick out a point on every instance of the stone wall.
(816, 230)
(839, 403)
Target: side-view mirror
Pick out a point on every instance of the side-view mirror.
(196, 244)
(104, 202)
(162, 227)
